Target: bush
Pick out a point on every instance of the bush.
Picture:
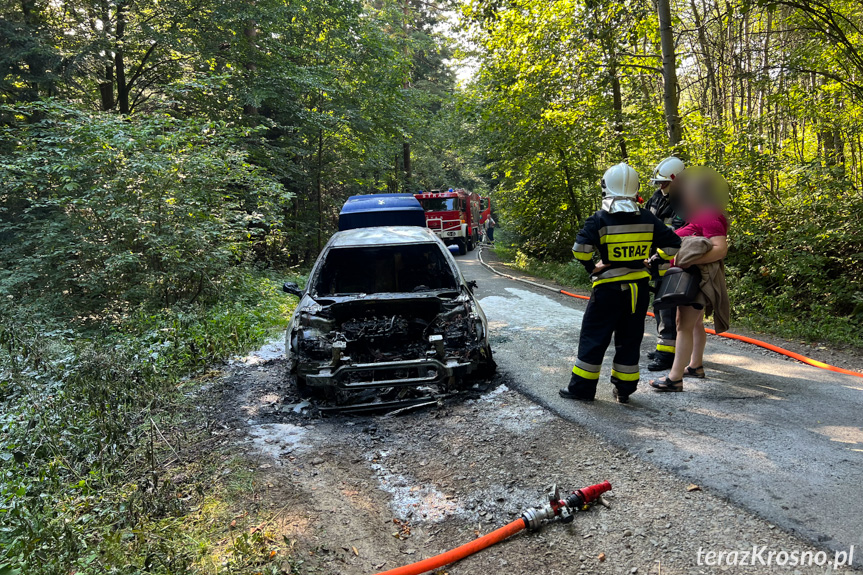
(569, 273)
(81, 418)
(101, 213)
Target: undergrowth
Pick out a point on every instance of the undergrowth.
(92, 420)
(570, 274)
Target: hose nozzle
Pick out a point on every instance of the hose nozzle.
(587, 495)
(564, 509)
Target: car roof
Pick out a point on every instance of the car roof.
(378, 210)
(382, 236)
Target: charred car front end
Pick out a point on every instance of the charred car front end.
(386, 307)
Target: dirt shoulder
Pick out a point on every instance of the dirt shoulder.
(846, 358)
(357, 495)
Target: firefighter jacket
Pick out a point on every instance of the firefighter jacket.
(624, 241)
(660, 206)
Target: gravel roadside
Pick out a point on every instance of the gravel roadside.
(356, 495)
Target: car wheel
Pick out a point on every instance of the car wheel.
(462, 247)
(488, 367)
(302, 388)
(471, 243)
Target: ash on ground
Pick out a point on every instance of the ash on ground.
(361, 494)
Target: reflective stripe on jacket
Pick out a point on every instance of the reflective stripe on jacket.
(624, 241)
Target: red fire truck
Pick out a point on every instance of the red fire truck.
(454, 216)
(485, 206)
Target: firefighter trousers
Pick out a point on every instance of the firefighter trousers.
(614, 309)
(666, 328)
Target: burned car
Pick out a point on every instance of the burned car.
(385, 308)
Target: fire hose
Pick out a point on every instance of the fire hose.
(532, 519)
(743, 338)
(762, 344)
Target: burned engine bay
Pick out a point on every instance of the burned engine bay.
(395, 330)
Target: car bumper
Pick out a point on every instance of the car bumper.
(405, 373)
(449, 234)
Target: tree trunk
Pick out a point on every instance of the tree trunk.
(251, 33)
(319, 188)
(707, 57)
(617, 104)
(764, 79)
(569, 187)
(106, 88)
(119, 62)
(406, 153)
(669, 73)
(406, 147)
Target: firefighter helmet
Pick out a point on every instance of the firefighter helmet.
(620, 189)
(667, 170)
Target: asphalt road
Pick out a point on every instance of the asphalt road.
(780, 438)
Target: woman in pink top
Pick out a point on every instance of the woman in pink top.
(699, 197)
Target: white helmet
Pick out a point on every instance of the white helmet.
(620, 189)
(667, 170)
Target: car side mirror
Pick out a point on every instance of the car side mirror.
(292, 288)
(472, 285)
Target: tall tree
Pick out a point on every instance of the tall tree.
(669, 73)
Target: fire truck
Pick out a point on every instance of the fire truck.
(485, 206)
(454, 216)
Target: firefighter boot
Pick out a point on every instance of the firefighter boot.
(661, 362)
(579, 389)
(623, 389)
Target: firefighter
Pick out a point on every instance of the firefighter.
(624, 236)
(660, 205)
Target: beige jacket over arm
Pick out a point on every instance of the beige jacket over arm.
(714, 291)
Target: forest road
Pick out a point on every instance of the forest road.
(776, 436)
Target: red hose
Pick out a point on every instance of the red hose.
(759, 343)
(459, 553)
(785, 352)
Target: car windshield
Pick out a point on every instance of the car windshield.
(439, 204)
(384, 269)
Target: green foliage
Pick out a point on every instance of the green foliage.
(81, 430)
(568, 273)
(110, 213)
(542, 113)
(769, 96)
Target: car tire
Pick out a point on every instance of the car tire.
(488, 367)
(302, 388)
(471, 243)
(462, 247)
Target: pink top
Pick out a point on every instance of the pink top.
(707, 224)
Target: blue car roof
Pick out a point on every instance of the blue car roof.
(376, 210)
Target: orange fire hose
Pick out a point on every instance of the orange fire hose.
(459, 553)
(762, 344)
